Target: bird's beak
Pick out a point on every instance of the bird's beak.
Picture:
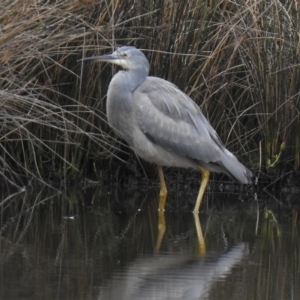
(110, 58)
(105, 58)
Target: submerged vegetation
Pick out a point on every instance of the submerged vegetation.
(240, 61)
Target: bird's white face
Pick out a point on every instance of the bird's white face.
(121, 58)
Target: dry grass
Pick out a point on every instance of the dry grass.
(239, 61)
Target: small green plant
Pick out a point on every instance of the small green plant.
(272, 164)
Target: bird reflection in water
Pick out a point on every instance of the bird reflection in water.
(172, 276)
(162, 228)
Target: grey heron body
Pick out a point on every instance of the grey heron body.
(162, 124)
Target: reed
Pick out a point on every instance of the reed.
(238, 60)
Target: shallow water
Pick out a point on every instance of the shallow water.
(101, 243)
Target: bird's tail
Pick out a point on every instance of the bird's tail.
(235, 169)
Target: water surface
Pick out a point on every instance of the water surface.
(104, 243)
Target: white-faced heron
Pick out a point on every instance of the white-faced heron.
(162, 124)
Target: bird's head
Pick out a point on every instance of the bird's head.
(128, 57)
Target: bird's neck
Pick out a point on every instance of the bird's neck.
(119, 105)
(121, 88)
(134, 78)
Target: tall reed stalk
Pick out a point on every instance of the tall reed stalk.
(238, 60)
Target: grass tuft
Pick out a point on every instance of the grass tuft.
(238, 60)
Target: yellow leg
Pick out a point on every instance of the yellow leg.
(204, 181)
(163, 189)
(201, 241)
(161, 230)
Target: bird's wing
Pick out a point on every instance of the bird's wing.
(171, 119)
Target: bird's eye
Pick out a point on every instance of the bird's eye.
(125, 54)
